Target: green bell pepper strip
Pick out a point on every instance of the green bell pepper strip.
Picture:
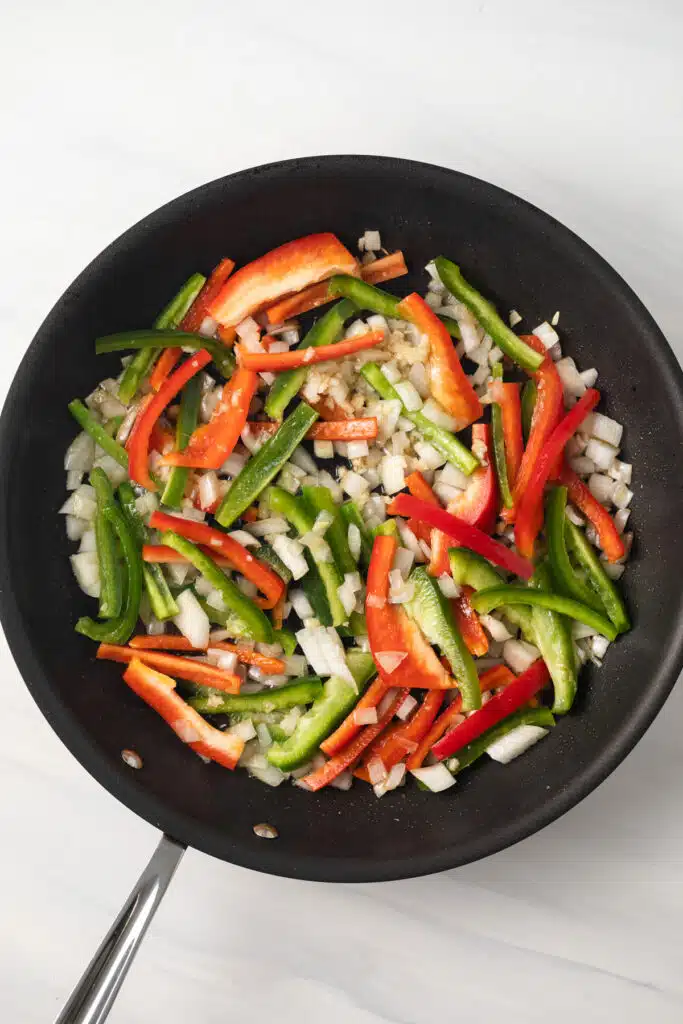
(387, 529)
(111, 576)
(356, 626)
(350, 513)
(224, 618)
(367, 296)
(447, 443)
(297, 512)
(324, 331)
(87, 422)
(604, 586)
(287, 641)
(434, 616)
(119, 630)
(567, 580)
(265, 464)
(552, 635)
(483, 311)
(338, 698)
(299, 691)
(499, 445)
(267, 554)
(190, 400)
(147, 340)
(253, 620)
(528, 405)
(487, 600)
(161, 599)
(336, 535)
(542, 717)
(469, 569)
(169, 318)
(315, 590)
(112, 425)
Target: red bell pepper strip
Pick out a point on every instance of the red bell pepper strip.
(448, 382)
(158, 690)
(210, 445)
(464, 534)
(467, 620)
(345, 732)
(530, 511)
(365, 429)
(400, 739)
(274, 362)
(419, 488)
(513, 697)
(492, 679)
(167, 556)
(199, 309)
(289, 268)
(181, 668)
(610, 540)
(476, 505)
(548, 411)
(507, 397)
(218, 543)
(174, 642)
(385, 269)
(163, 366)
(139, 440)
(390, 630)
(349, 755)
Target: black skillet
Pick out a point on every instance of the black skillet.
(521, 258)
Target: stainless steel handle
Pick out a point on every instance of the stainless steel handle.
(93, 997)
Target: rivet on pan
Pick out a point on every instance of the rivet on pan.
(131, 758)
(266, 831)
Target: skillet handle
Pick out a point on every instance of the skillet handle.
(93, 997)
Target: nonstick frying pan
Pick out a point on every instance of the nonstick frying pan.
(521, 258)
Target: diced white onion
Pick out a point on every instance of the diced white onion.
(417, 377)
(295, 665)
(601, 487)
(292, 554)
(546, 334)
(234, 464)
(428, 456)
(88, 540)
(248, 330)
(580, 631)
(406, 708)
(343, 781)
(354, 484)
(393, 780)
(448, 587)
(354, 541)
(73, 479)
(622, 472)
(621, 496)
(365, 716)
(80, 455)
(435, 777)
(86, 570)
(445, 492)
(599, 645)
(582, 465)
(192, 620)
(437, 414)
(515, 743)
(77, 528)
(391, 371)
(572, 382)
(377, 322)
(496, 629)
(514, 318)
(267, 527)
(589, 377)
(573, 516)
(453, 476)
(347, 595)
(393, 473)
(403, 562)
(614, 570)
(603, 428)
(301, 458)
(621, 518)
(323, 449)
(247, 587)
(227, 660)
(409, 395)
(602, 454)
(357, 449)
(323, 521)
(178, 571)
(209, 492)
(389, 661)
(325, 652)
(519, 655)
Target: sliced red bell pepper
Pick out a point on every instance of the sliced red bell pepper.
(448, 382)
(365, 429)
(548, 411)
(174, 642)
(385, 269)
(218, 543)
(345, 732)
(476, 505)
(506, 395)
(167, 556)
(210, 445)
(138, 444)
(390, 630)
(275, 362)
(287, 269)
(401, 739)
(492, 679)
(181, 668)
(419, 488)
(610, 540)
(463, 534)
(199, 309)
(530, 510)
(163, 366)
(349, 755)
(513, 697)
(158, 690)
(473, 634)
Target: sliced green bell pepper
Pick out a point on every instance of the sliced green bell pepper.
(528, 406)
(336, 535)
(161, 599)
(190, 400)
(252, 620)
(299, 691)
(87, 422)
(111, 576)
(499, 445)
(567, 580)
(265, 464)
(542, 717)
(487, 600)
(325, 331)
(367, 296)
(445, 442)
(145, 341)
(469, 569)
(605, 587)
(352, 517)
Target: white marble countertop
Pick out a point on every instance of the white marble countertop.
(108, 111)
